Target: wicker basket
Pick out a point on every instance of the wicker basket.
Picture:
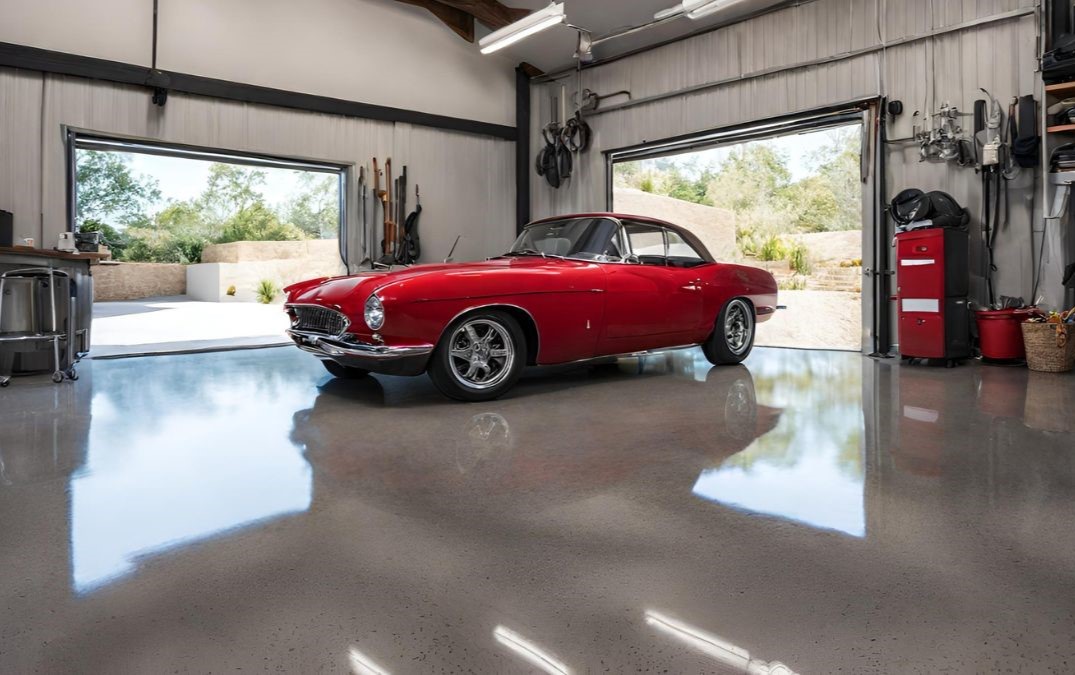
(1050, 347)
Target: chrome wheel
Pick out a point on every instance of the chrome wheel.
(481, 354)
(738, 327)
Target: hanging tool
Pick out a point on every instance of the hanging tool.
(389, 242)
(411, 248)
(381, 196)
(401, 211)
(362, 188)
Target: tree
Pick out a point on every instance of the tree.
(258, 223)
(752, 175)
(108, 192)
(231, 188)
(316, 209)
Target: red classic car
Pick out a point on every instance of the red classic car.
(571, 288)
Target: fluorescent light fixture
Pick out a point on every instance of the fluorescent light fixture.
(695, 9)
(529, 651)
(701, 9)
(535, 22)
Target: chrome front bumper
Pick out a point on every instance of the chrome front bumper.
(410, 360)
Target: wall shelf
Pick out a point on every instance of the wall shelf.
(1060, 89)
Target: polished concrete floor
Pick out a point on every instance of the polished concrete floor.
(226, 511)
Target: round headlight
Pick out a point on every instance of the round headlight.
(374, 314)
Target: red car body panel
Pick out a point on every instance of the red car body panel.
(580, 309)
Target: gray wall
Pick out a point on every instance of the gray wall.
(371, 51)
(818, 54)
(467, 181)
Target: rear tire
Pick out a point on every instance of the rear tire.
(344, 372)
(480, 357)
(733, 335)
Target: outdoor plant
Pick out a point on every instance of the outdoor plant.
(772, 248)
(799, 259)
(267, 291)
(793, 283)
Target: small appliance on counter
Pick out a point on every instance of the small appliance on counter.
(66, 242)
(89, 242)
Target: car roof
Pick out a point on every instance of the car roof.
(687, 235)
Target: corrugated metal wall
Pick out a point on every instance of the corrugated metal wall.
(814, 55)
(453, 169)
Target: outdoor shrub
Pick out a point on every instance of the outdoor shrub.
(794, 283)
(647, 184)
(772, 248)
(799, 258)
(267, 291)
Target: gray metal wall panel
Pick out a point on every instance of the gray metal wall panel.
(477, 169)
(20, 149)
(923, 74)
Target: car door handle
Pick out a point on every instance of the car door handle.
(691, 287)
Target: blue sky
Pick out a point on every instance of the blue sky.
(798, 148)
(182, 179)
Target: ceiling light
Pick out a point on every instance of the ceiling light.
(694, 9)
(535, 22)
(702, 9)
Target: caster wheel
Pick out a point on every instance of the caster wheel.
(4, 383)
(57, 377)
(72, 374)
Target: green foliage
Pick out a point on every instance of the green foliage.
(755, 182)
(258, 223)
(792, 283)
(109, 191)
(266, 292)
(772, 248)
(231, 207)
(316, 210)
(799, 258)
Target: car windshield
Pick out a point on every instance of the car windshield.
(582, 238)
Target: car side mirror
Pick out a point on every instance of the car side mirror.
(632, 259)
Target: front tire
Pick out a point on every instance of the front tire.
(733, 335)
(480, 357)
(344, 372)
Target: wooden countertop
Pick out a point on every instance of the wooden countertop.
(52, 253)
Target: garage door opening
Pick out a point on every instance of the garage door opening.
(202, 242)
(790, 203)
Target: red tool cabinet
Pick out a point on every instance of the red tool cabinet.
(933, 281)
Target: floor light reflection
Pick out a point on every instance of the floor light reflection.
(529, 651)
(362, 664)
(715, 647)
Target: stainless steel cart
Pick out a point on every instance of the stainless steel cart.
(26, 319)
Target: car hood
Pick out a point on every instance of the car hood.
(342, 292)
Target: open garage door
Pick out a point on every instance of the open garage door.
(202, 241)
(791, 196)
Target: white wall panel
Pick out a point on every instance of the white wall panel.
(470, 178)
(361, 50)
(118, 30)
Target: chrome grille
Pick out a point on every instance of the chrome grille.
(318, 320)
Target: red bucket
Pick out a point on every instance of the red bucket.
(1000, 336)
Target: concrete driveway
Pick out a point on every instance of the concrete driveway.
(177, 324)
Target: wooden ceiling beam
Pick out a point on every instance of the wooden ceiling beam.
(490, 12)
(458, 20)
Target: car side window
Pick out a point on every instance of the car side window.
(679, 253)
(647, 243)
